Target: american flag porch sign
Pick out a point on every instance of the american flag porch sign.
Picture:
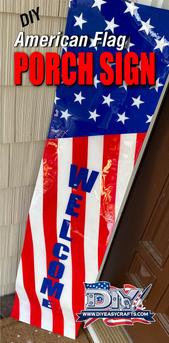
(94, 140)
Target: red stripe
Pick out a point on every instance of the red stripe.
(50, 175)
(79, 158)
(120, 323)
(29, 277)
(112, 323)
(139, 143)
(108, 196)
(143, 321)
(15, 309)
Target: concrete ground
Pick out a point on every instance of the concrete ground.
(12, 331)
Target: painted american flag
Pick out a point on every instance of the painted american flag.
(99, 128)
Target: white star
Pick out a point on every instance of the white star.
(122, 118)
(149, 119)
(107, 100)
(137, 101)
(56, 98)
(157, 85)
(146, 26)
(93, 43)
(93, 115)
(129, 45)
(96, 81)
(99, 3)
(111, 25)
(79, 98)
(111, 63)
(161, 43)
(124, 85)
(139, 65)
(65, 115)
(131, 8)
(80, 21)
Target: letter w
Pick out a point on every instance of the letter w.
(81, 177)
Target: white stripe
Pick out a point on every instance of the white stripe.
(39, 248)
(125, 167)
(64, 163)
(92, 215)
(24, 304)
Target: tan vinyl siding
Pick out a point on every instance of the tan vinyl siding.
(156, 3)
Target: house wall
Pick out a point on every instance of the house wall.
(24, 119)
(155, 3)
